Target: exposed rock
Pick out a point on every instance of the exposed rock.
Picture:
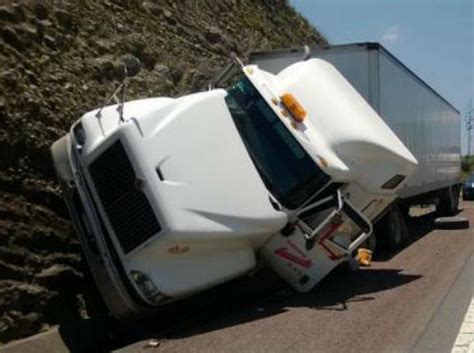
(10, 36)
(168, 14)
(213, 35)
(50, 41)
(12, 13)
(61, 277)
(7, 14)
(109, 68)
(28, 32)
(19, 11)
(14, 323)
(41, 11)
(65, 20)
(169, 17)
(152, 7)
(27, 297)
(9, 271)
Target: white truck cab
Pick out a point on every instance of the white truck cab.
(179, 195)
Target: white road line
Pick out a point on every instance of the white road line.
(465, 341)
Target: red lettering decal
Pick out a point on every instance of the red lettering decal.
(332, 228)
(283, 252)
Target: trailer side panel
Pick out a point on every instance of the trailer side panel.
(425, 122)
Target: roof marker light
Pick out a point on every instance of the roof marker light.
(323, 162)
(293, 106)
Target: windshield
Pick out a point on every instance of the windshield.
(288, 172)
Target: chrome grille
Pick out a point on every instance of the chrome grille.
(127, 208)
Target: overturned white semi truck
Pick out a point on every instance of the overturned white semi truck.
(171, 196)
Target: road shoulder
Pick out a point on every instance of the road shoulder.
(442, 330)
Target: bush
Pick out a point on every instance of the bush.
(467, 165)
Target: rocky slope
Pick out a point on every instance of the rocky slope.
(59, 59)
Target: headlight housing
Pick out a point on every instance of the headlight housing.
(146, 286)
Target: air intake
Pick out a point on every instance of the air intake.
(393, 182)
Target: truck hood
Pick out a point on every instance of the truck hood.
(198, 174)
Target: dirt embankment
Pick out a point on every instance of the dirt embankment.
(59, 59)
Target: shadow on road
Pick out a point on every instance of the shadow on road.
(335, 293)
(243, 300)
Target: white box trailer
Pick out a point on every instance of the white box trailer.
(426, 122)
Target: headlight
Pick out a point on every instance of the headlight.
(146, 286)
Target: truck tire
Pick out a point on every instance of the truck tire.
(448, 201)
(370, 243)
(456, 195)
(391, 229)
(396, 228)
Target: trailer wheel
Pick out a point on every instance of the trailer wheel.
(448, 201)
(456, 196)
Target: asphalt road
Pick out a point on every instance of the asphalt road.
(410, 301)
(413, 300)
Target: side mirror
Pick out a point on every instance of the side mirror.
(132, 65)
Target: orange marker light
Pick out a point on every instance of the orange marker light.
(293, 106)
(323, 161)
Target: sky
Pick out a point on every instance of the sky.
(434, 38)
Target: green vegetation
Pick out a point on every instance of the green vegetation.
(467, 165)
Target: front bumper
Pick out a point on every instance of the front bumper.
(118, 293)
